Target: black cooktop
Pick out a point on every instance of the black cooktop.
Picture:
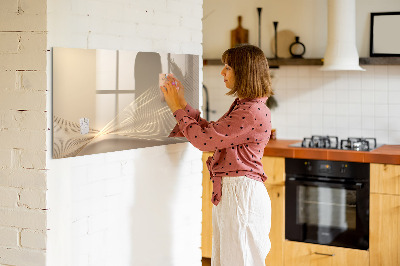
(332, 142)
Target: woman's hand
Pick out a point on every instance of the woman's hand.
(181, 92)
(172, 95)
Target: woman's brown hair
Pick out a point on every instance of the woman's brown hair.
(250, 66)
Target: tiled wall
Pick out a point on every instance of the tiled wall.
(340, 103)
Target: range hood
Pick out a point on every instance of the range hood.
(341, 51)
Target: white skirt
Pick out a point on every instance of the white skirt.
(241, 223)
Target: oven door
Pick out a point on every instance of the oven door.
(327, 213)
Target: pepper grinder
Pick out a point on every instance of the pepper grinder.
(276, 39)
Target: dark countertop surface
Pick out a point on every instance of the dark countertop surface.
(389, 154)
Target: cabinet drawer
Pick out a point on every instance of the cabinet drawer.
(305, 254)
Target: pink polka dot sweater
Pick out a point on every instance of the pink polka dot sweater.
(238, 139)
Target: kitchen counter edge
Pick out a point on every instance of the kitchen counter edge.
(385, 154)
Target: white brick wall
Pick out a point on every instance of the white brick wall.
(23, 132)
(101, 217)
(136, 207)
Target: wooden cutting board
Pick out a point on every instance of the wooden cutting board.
(239, 35)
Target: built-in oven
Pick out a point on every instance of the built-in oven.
(327, 202)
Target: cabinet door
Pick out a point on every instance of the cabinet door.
(385, 178)
(384, 230)
(274, 168)
(305, 254)
(206, 232)
(277, 233)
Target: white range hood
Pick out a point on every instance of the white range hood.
(341, 51)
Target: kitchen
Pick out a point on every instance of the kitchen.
(98, 207)
(313, 104)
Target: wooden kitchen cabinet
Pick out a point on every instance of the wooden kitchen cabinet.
(274, 168)
(206, 225)
(305, 254)
(384, 236)
(277, 233)
(385, 178)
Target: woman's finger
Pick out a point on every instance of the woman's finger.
(164, 90)
(170, 87)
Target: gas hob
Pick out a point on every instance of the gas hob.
(332, 142)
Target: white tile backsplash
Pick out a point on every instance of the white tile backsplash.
(381, 97)
(355, 109)
(342, 96)
(394, 82)
(342, 109)
(354, 80)
(342, 81)
(345, 103)
(291, 71)
(382, 136)
(342, 122)
(381, 110)
(382, 123)
(394, 136)
(329, 109)
(393, 71)
(304, 82)
(367, 109)
(394, 110)
(394, 123)
(381, 83)
(394, 97)
(380, 71)
(367, 96)
(292, 82)
(368, 123)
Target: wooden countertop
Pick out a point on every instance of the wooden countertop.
(389, 154)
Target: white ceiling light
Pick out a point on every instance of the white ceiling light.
(341, 51)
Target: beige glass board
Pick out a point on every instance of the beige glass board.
(109, 100)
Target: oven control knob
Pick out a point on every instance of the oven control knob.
(308, 166)
(343, 168)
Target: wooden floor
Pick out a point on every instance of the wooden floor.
(206, 261)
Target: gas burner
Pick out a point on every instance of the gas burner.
(327, 142)
(358, 144)
(332, 142)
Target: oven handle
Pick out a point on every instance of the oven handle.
(357, 185)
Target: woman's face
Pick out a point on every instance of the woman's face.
(229, 76)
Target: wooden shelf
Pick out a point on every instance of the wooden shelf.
(274, 63)
(380, 61)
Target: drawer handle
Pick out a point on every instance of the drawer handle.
(325, 254)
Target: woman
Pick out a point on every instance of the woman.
(242, 208)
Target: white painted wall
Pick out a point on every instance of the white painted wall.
(305, 18)
(135, 207)
(23, 133)
(311, 102)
